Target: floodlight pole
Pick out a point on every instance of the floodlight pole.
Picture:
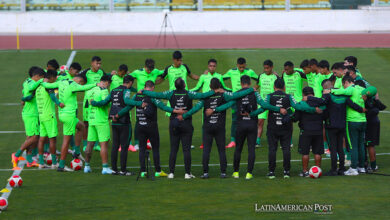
(111, 5)
(22, 5)
(287, 7)
(200, 5)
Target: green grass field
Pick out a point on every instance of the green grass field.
(52, 195)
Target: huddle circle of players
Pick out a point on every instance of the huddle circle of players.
(337, 114)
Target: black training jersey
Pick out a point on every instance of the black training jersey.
(118, 104)
(246, 104)
(275, 119)
(180, 100)
(217, 118)
(147, 115)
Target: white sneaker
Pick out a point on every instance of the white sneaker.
(192, 147)
(55, 166)
(67, 169)
(70, 151)
(87, 169)
(347, 163)
(361, 170)
(106, 171)
(44, 166)
(170, 176)
(136, 147)
(188, 176)
(351, 172)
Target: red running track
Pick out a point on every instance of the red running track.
(368, 40)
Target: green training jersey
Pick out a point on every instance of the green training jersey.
(235, 77)
(266, 84)
(64, 76)
(93, 77)
(311, 79)
(30, 107)
(142, 76)
(293, 83)
(355, 92)
(339, 83)
(172, 73)
(67, 94)
(318, 87)
(204, 82)
(98, 114)
(116, 80)
(45, 105)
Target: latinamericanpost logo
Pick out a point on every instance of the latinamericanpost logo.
(301, 208)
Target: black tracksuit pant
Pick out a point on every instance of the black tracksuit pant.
(121, 136)
(217, 133)
(335, 140)
(245, 130)
(181, 134)
(145, 132)
(274, 136)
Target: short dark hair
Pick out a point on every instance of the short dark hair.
(123, 67)
(308, 91)
(106, 78)
(215, 83)
(323, 64)
(246, 80)
(279, 83)
(180, 84)
(268, 63)
(149, 63)
(76, 66)
(177, 55)
(81, 76)
(96, 58)
(38, 71)
(31, 70)
(326, 80)
(212, 60)
(351, 59)
(313, 62)
(241, 60)
(289, 63)
(128, 79)
(350, 69)
(50, 74)
(149, 84)
(347, 79)
(53, 63)
(304, 63)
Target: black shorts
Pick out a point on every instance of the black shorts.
(372, 133)
(315, 142)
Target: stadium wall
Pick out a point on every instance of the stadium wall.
(325, 21)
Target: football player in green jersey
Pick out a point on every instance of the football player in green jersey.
(338, 71)
(149, 72)
(293, 80)
(93, 74)
(30, 118)
(74, 69)
(47, 118)
(352, 61)
(99, 126)
(205, 80)
(117, 79)
(234, 75)
(265, 83)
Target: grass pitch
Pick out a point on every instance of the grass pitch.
(48, 194)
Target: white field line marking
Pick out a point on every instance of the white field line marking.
(16, 172)
(70, 59)
(197, 165)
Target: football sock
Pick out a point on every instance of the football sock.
(54, 159)
(373, 164)
(76, 150)
(34, 151)
(85, 142)
(62, 164)
(326, 145)
(105, 165)
(41, 160)
(18, 153)
(46, 147)
(258, 141)
(87, 164)
(29, 158)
